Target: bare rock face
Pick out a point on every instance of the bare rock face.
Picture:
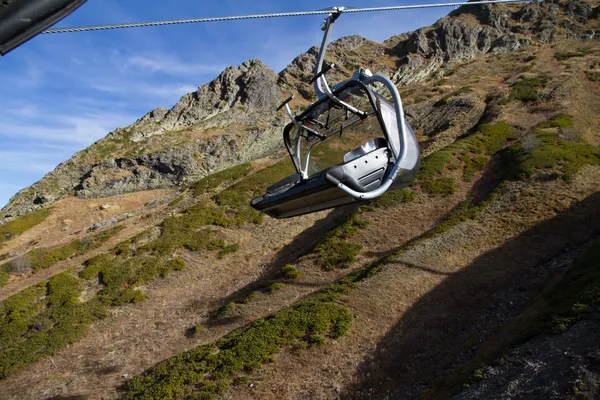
(448, 121)
(252, 87)
(546, 368)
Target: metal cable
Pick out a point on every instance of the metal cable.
(275, 15)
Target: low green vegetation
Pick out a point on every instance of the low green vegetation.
(4, 274)
(121, 278)
(197, 330)
(235, 200)
(42, 319)
(559, 121)
(565, 55)
(467, 210)
(472, 165)
(435, 164)
(391, 199)
(215, 180)
(290, 272)
(274, 287)
(526, 89)
(471, 154)
(337, 254)
(529, 58)
(407, 93)
(444, 100)
(207, 371)
(333, 251)
(444, 186)
(43, 258)
(553, 153)
(226, 309)
(228, 249)
(17, 226)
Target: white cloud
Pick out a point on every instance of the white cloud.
(168, 91)
(26, 161)
(77, 131)
(168, 65)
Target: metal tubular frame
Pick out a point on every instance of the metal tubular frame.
(324, 91)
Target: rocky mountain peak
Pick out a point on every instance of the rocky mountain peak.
(252, 85)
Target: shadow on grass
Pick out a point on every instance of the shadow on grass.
(302, 244)
(457, 323)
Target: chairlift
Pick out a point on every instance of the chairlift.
(353, 109)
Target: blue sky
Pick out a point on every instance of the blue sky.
(60, 93)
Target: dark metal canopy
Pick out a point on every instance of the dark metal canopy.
(21, 20)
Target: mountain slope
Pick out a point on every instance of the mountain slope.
(232, 120)
(417, 294)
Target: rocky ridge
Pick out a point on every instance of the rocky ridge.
(232, 119)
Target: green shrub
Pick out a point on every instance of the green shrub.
(43, 258)
(207, 369)
(439, 186)
(248, 298)
(175, 264)
(275, 287)
(489, 139)
(350, 227)
(231, 248)
(95, 265)
(235, 200)
(559, 121)
(463, 212)
(530, 58)
(553, 152)
(337, 254)
(526, 89)
(215, 180)
(441, 82)
(435, 164)
(290, 272)
(42, 319)
(226, 309)
(564, 55)
(197, 330)
(391, 199)
(407, 93)
(4, 273)
(17, 226)
(446, 99)
(121, 277)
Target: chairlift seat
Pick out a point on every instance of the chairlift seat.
(363, 170)
(378, 165)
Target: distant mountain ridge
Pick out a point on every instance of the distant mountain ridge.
(232, 119)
